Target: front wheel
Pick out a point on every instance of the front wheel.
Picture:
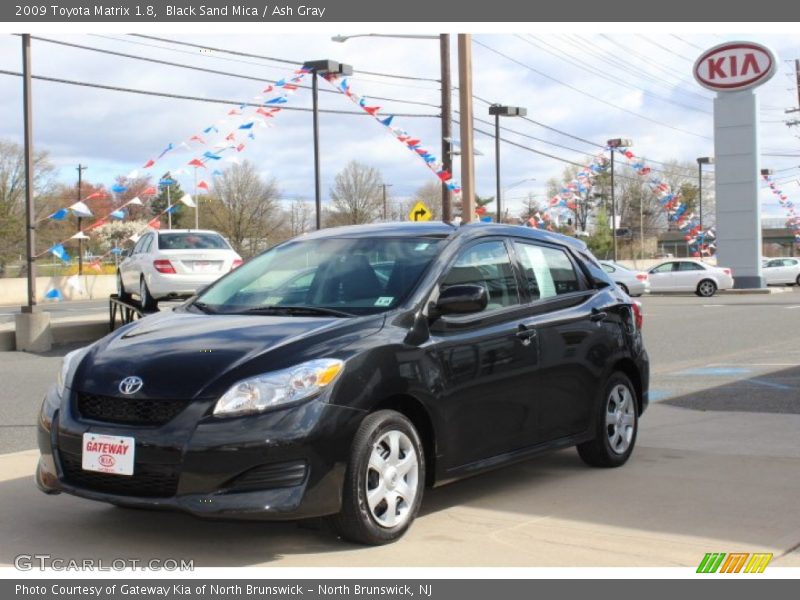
(706, 288)
(384, 481)
(617, 423)
(121, 293)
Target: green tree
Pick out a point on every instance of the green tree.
(601, 242)
(171, 194)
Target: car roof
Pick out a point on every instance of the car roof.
(158, 231)
(442, 230)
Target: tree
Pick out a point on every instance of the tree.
(12, 196)
(244, 208)
(530, 207)
(601, 242)
(117, 234)
(168, 194)
(357, 195)
(429, 193)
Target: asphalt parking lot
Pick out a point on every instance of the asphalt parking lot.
(716, 469)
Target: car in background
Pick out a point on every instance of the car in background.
(307, 384)
(688, 275)
(633, 283)
(782, 270)
(174, 264)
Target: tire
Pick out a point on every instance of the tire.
(121, 293)
(382, 445)
(706, 288)
(797, 281)
(624, 288)
(148, 302)
(616, 424)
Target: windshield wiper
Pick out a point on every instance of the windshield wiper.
(312, 310)
(203, 307)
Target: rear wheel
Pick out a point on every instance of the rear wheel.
(121, 293)
(797, 281)
(706, 288)
(384, 481)
(616, 425)
(148, 302)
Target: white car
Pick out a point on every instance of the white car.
(633, 283)
(782, 270)
(174, 264)
(689, 276)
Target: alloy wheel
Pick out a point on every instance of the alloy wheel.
(392, 479)
(707, 288)
(620, 418)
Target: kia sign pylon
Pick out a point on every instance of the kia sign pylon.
(734, 70)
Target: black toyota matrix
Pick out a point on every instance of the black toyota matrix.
(340, 373)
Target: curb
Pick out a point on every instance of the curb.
(63, 333)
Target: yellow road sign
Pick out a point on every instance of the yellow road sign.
(420, 212)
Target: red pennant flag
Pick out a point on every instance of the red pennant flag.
(290, 86)
(96, 224)
(149, 164)
(197, 138)
(202, 185)
(233, 111)
(372, 109)
(267, 89)
(96, 195)
(263, 112)
(151, 191)
(196, 162)
(155, 223)
(230, 137)
(480, 210)
(95, 264)
(240, 147)
(444, 175)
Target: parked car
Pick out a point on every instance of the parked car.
(782, 270)
(689, 276)
(347, 393)
(633, 283)
(174, 264)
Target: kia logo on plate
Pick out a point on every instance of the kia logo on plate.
(131, 384)
(735, 66)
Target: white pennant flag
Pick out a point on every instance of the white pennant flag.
(187, 200)
(81, 210)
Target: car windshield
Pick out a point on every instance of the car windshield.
(334, 276)
(192, 240)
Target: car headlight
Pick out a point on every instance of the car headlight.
(278, 388)
(68, 365)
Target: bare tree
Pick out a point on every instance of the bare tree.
(429, 193)
(357, 195)
(246, 209)
(299, 218)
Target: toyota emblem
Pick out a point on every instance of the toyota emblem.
(131, 384)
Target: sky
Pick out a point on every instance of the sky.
(592, 86)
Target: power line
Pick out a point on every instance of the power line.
(589, 95)
(197, 98)
(665, 49)
(611, 78)
(205, 70)
(681, 76)
(270, 58)
(687, 42)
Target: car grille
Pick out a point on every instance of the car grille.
(129, 411)
(146, 481)
(265, 477)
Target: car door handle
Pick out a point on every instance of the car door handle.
(525, 334)
(598, 315)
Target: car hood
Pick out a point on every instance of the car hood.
(180, 355)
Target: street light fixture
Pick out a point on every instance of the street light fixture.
(497, 111)
(444, 65)
(702, 160)
(613, 144)
(323, 67)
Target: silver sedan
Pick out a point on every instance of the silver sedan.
(633, 283)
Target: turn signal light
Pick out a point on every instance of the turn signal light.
(237, 262)
(164, 266)
(638, 316)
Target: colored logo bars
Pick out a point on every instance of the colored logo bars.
(734, 562)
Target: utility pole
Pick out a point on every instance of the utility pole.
(447, 125)
(196, 199)
(81, 168)
(385, 205)
(30, 232)
(797, 78)
(467, 146)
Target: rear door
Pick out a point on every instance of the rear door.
(687, 276)
(133, 266)
(575, 330)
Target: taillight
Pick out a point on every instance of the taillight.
(727, 272)
(638, 316)
(641, 276)
(237, 262)
(164, 266)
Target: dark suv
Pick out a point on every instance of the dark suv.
(341, 372)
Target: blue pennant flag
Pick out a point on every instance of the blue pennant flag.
(118, 214)
(388, 120)
(216, 173)
(53, 294)
(210, 129)
(119, 189)
(247, 125)
(59, 252)
(174, 208)
(60, 214)
(166, 181)
(167, 149)
(279, 100)
(116, 251)
(211, 155)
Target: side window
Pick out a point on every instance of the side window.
(665, 268)
(148, 242)
(689, 266)
(548, 271)
(138, 247)
(775, 263)
(486, 264)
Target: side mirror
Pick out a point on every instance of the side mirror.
(461, 299)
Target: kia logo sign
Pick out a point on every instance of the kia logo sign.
(735, 66)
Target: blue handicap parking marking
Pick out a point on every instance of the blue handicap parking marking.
(715, 371)
(657, 395)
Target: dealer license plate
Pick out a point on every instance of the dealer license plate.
(108, 454)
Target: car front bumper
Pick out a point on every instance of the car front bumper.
(279, 465)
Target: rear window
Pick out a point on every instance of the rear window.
(191, 241)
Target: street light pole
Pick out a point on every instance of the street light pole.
(30, 231)
(498, 111)
(385, 205)
(80, 169)
(318, 67)
(467, 145)
(613, 145)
